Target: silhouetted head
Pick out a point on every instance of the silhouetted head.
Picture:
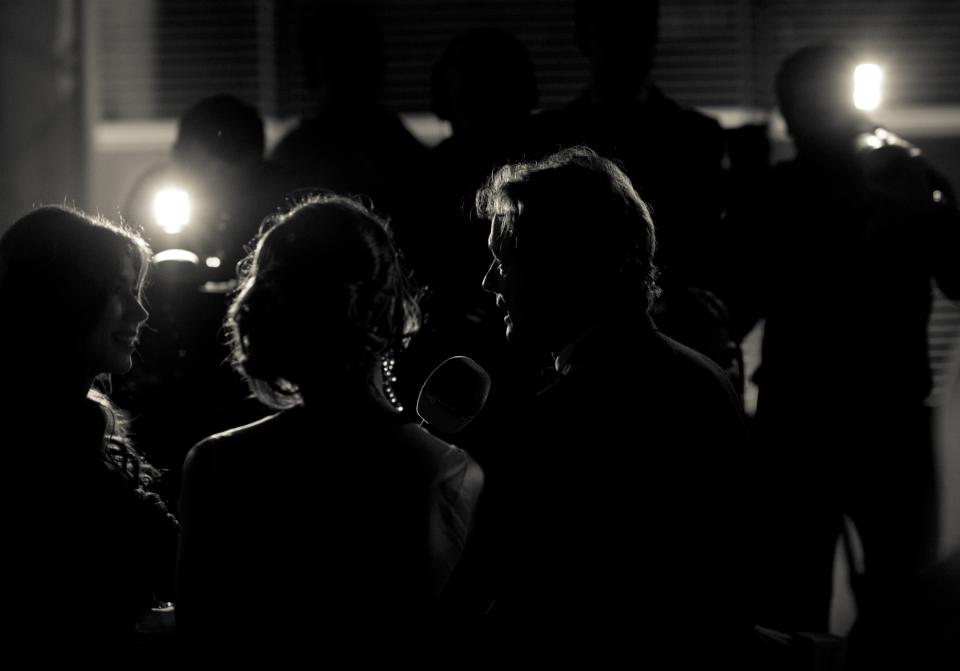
(322, 298)
(815, 92)
(572, 244)
(342, 50)
(70, 289)
(221, 128)
(619, 37)
(483, 82)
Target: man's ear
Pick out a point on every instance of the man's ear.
(560, 284)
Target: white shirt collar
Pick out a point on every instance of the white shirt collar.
(561, 360)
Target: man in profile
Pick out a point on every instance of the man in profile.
(618, 501)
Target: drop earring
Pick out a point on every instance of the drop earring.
(387, 364)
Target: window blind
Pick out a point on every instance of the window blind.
(158, 56)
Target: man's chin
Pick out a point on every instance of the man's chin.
(519, 338)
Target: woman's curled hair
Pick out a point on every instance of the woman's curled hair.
(322, 297)
(58, 266)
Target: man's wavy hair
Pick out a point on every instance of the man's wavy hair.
(574, 215)
(322, 297)
(58, 266)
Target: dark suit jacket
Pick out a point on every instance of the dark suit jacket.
(620, 506)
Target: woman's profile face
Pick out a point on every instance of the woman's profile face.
(113, 340)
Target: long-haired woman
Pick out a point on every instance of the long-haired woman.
(88, 547)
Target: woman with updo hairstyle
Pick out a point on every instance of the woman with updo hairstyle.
(335, 520)
(89, 549)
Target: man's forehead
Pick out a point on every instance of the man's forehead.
(501, 235)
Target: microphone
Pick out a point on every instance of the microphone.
(453, 394)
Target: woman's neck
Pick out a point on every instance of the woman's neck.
(354, 390)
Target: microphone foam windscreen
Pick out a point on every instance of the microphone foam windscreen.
(453, 394)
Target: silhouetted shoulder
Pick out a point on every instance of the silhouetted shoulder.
(239, 435)
(445, 461)
(698, 136)
(686, 360)
(292, 147)
(637, 347)
(233, 440)
(689, 117)
(582, 119)
(377, 130)
(355, 438)
(630, 369)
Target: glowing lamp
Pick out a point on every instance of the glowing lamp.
(867, 86)
(171, 209)
(178, 255)
(212, 262)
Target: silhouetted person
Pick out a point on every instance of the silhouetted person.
(698, 319)
(947, 422)
(615, 503)
(208, 199)
(484, 85)
(349, 142)
(844, 241)
(329, 529)
(672, 155)
(212, 194)
(87, 548)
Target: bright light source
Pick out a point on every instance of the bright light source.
(171, 209)
(867, 83)
(212, 262)
(182, 255)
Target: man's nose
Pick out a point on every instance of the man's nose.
(489, 284)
